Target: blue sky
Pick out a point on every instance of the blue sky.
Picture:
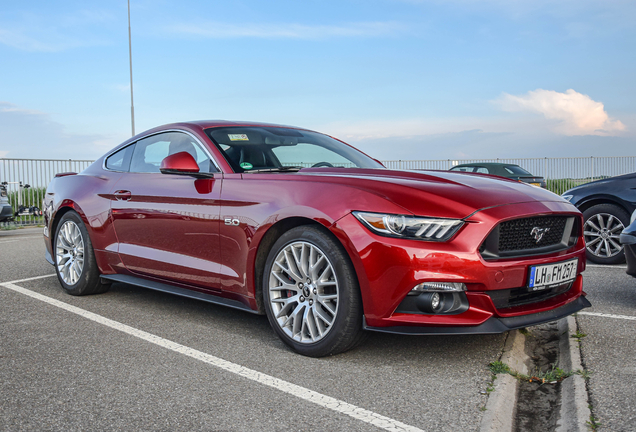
(400, 79)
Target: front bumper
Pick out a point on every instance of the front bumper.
(389, 268)
(492, 325)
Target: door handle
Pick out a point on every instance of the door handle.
(123, 195)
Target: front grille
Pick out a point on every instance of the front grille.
(520, 296)
(531, 236)
(518, 234)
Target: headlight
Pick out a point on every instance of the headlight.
(412, 227)
(631, 221)
(567, 197)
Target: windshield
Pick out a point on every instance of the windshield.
(258, 149)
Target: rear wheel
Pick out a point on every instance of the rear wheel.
(75, 263)
(311, 293)
(603, 226)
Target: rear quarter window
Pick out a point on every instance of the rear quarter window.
(120, 160)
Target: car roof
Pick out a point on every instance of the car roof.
(220, 123)
(485, 164)
(202, 124)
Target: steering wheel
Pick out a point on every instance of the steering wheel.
(322, 164)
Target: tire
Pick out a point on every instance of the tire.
(603, 226)
(74, 258)
(316, 309)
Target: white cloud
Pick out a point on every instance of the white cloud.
(33, 134)
(218, 30)
(571, 113)
(121, 87)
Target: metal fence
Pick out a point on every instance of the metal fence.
(26, 179)
(561, 174)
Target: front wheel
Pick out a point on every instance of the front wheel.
(75, 263)
(311, 293)
(603, 226)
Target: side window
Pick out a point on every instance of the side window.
(482, 170)
(120, 160)
(149, 152)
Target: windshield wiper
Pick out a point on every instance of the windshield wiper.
(278, 169)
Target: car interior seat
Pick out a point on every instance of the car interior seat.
(254, 156)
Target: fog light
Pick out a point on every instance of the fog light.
(438, 287)
(444, 298)
(431, 302)
(435, 301)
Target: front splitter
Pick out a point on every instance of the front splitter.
(493, 325)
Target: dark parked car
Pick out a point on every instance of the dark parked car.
(628, 240)
(6, 211)
(225, 212)
(510, 171)
(606, 205)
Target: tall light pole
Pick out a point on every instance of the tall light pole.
(132, 105)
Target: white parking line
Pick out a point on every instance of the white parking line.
(625, 317)
(28, 279)
(337, 405)
(606, 266)
(13, 239)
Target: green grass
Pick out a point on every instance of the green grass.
(499, 367)
(29, 197)
(593, 423)
(578, 336)
(551, 376)
(559, 186)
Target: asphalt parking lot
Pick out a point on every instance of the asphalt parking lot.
(609, 349)
(139, 359)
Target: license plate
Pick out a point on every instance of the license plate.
(536, 184)
(550, 275)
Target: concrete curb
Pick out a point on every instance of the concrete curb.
(575, 409)
(500, 408)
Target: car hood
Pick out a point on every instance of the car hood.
(436, 193)
(601, 183)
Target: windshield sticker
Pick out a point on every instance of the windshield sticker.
(246, 165)
(238, 137)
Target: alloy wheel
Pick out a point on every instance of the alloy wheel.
(69, 252)
(602, 232)
(303, 292)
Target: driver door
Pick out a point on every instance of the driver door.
(167, 225)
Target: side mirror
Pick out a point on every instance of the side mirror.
(179, 163)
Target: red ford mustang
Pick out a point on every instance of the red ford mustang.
(314, 233)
